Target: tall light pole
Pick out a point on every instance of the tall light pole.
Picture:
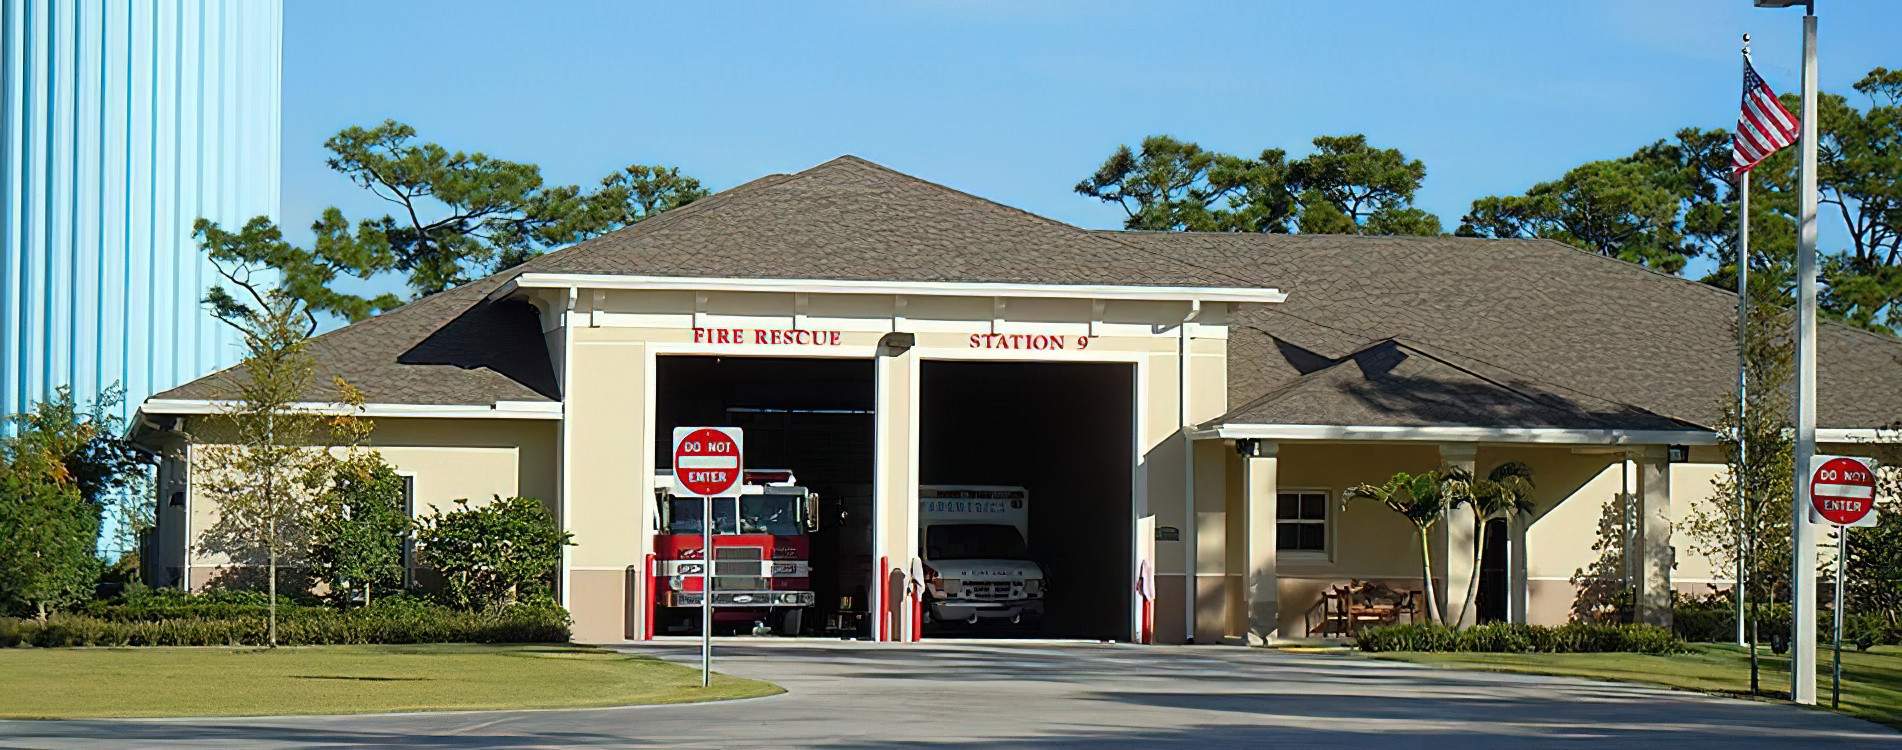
(1802, 533)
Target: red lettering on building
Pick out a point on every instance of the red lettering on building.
(768, 336)
(1027, 341)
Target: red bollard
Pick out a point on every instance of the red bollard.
(884, 598)
(652, 596)
(917, 613)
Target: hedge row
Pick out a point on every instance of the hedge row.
(1570, 638)
(309, 626)
(1715, 621)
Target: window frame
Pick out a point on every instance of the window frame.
(1327, 522)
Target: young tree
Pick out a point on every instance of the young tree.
(269, 464)
(490, 555)
(1505, 493)
(360, 525)
(1422, 500)
(1758, 485)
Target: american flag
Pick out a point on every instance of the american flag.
(1763, 126)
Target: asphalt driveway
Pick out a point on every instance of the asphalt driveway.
(853, 695)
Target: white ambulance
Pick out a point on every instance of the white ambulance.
(976, 541)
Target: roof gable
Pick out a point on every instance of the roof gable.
(850, 219)
(1394, 383)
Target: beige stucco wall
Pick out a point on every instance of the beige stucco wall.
(617, 334)
(449, 458)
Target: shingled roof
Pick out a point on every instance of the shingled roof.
(1545, 311)
(1395, 383)
(849, 219)
(845, 219)
(1547, 334)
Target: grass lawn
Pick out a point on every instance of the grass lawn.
(1872, 681)
(94, 682)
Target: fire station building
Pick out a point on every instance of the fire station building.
(1183, 411)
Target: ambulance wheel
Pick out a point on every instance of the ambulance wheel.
(790, 620)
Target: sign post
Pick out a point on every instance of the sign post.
(1842, 492)
(708, 463)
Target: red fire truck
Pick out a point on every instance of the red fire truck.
(762, 553)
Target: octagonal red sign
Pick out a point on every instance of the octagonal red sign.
(707, 461)
(1842, 490)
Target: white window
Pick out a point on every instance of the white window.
(1301, 521)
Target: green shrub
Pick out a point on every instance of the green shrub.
(492, 554)
(397, 619)
(1577, 637)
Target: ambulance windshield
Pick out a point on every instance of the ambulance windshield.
(973, 541)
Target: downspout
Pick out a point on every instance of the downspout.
(567, 366)
(1188, 474)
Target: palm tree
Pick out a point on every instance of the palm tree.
(1505, 493)
(1421, 499)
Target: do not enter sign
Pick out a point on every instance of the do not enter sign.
(707, 461)
(1842, 490)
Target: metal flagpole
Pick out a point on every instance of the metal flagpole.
(1802, 532)
(1743, 379)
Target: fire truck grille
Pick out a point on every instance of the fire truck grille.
(736, 567)
(738, 583)
(730, 564)
(987, 590)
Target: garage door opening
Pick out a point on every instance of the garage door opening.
(1044, 448)
(810, 418)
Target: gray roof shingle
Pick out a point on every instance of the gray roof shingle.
(1539, 330)
(1558, 315)
(1395, 383)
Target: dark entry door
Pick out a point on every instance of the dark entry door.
(1494, 577)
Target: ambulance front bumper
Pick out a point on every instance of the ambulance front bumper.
(966, 610)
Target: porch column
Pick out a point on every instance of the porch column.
(1518, 595)
(1455, 566)
(1259, 469)
(1655, 554)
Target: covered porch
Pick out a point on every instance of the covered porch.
(1290, 537)
(1610, 482)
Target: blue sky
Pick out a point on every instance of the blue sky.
(1016, 101)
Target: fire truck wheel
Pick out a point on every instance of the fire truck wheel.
(790, 620)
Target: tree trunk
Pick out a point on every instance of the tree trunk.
(1472, 582)
(1426, 568)
(270, 628)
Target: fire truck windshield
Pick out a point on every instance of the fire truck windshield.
(973, 541)
(683, 516)
(770, 514)
(775, 514)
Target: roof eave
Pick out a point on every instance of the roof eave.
(496, 410)
(1454, 434)
(914, 288)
